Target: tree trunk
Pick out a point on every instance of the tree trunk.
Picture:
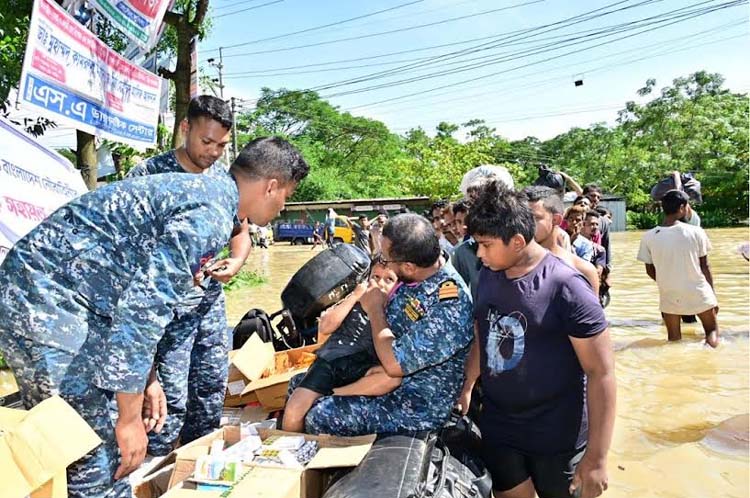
(181, 84)
(86, 158)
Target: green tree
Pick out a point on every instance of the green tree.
(14, 29)
(695, 125)
(349, 156)
(186, 21)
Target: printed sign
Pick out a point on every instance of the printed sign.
(139, 20)
(72, 77)
(34, 181)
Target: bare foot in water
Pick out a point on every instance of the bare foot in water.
(712, 339)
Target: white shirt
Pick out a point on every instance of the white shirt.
(675, 252)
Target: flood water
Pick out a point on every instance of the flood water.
(682, 414)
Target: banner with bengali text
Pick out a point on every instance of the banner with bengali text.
(34, 181)
(75, 79)
(139, 20)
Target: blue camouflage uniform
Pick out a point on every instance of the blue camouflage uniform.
(86, 295)
(432, 323)
(191, 358)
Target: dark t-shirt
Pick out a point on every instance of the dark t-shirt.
(600, 257)
(353, 336)
(604, 229)
(533, 383)
(361, 238)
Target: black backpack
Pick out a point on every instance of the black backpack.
(255, 321)
(283, 335)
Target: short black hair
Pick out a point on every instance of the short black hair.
(413, 240)
(673, 200)
(591, 187)
(602, 210)
(549, 198)
(270, 157)
(461, 206)
(439, 204)
(593, 213)
(500, 213)
(362, 217)
(208, 106)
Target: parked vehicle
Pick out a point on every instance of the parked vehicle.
(296, 233)
(343, 231)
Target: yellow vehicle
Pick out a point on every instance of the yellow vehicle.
(342, 230)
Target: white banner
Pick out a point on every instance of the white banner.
(34, 181)
(139, 20)
(75, 79)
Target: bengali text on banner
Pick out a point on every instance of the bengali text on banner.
(34, 181)
(139, 20)
(75, 79)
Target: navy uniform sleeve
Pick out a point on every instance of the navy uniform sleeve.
(146, 306)
(445, 330)
(140, 169)
(582, 313)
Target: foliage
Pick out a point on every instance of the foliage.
(349, 156)
(14, 29)
(245, 279)
(694, 125)
(642, 220)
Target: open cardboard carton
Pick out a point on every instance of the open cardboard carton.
(258, 373)
(256, 482)
(272, 482)
(34, 451)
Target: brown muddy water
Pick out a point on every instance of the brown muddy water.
(682, 414)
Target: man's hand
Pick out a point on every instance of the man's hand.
(223, 270)
(154, 406)
(133, 442)
(464, 401)
(590, 478)
(374, 299)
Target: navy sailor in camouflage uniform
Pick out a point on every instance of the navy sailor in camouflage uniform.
(196, 342)
(422, 334)
(85, 297)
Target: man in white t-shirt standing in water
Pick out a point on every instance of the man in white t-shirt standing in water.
(676, 257)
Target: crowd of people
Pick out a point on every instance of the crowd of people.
(115, 303)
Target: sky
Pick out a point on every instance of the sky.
(519, 81)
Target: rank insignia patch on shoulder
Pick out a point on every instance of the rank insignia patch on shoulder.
(414, 309)
(447, 290)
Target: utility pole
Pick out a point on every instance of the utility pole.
(234, 129)
(220, 67)
(221, 73)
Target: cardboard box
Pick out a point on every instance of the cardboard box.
(34, 451)
(256, 482)
(257, 373)
(335, 452)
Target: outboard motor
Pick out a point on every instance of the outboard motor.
(323, 281)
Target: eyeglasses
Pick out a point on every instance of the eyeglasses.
(380, 260)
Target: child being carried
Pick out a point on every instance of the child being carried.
(346, 364)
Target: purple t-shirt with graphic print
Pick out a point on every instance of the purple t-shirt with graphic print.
(532, 381)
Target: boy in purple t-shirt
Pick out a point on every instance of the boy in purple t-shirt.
(542, 349)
